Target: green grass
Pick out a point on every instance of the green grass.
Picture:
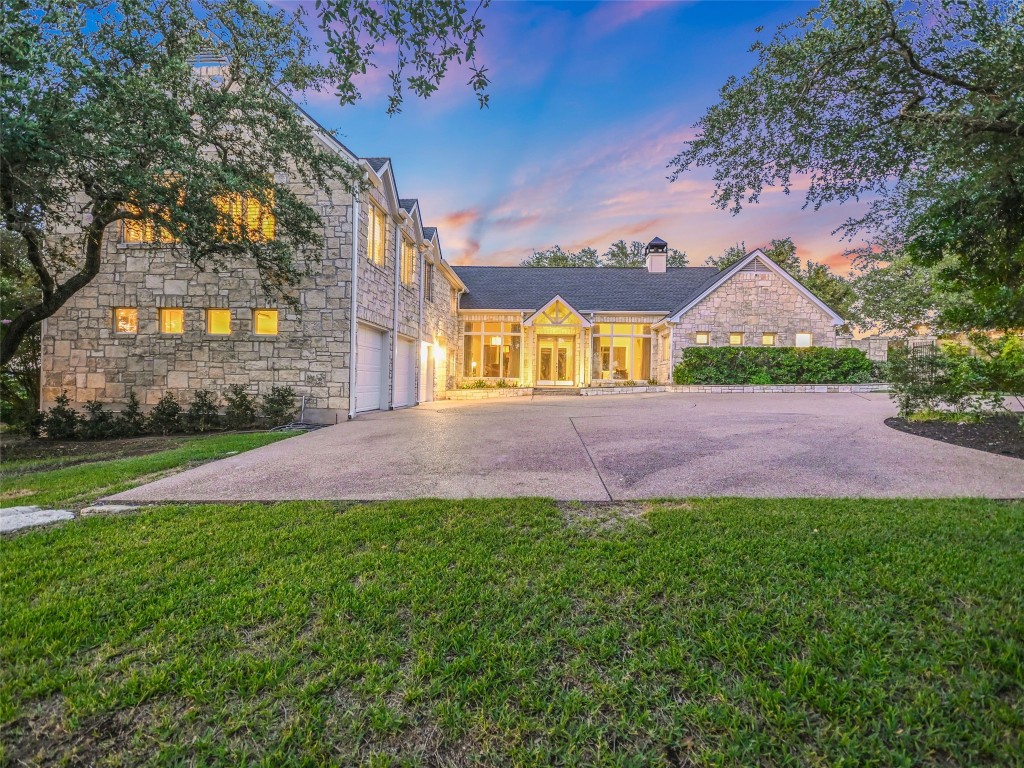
(717, 632)
(85, 482)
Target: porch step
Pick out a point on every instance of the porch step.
(544, 391)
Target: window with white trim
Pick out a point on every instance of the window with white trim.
(803, 340)
(492, 350)
(702, 338)
(768, 339)
(376, 234)
(408, 261)
(428, 281)
(735, 339)
(622, 352)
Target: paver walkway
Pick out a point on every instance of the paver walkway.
(606, 448)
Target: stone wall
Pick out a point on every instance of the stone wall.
(754, 303)
(83, 356)
(441, 330)
(875, 347)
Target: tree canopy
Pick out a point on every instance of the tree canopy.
(618, 255)
(168, 114)
(914, 107)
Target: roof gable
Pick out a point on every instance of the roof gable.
(557, 312)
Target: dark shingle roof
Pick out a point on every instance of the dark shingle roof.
(408, 203)
(377, 162)
(428, 232)
(587, 289)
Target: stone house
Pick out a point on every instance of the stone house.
(385, 322)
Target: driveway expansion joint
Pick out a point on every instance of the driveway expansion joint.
(592, 462)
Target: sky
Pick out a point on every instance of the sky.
(589, 101)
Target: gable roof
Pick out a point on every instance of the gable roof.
(377, 162)
(550, 303)
(408, 203)
(429, 232)
(690, 302)
(587, 289)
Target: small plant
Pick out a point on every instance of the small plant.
(761, 379)
(241, 410)
(165, 417)
(476, 384)
(652, 382)
(98, 423)
(278, 407)
(61, 421)
(130, 421)
(202, 414)
(629, 383)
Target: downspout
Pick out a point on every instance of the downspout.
(421, 371)
(394, 332)
(352, 312)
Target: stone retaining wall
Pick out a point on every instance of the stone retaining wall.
(483, 394)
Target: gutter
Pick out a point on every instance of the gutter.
(419, 326)
(352, 314)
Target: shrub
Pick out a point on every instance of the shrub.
(202, 413)
(241, 409)
(61, 421)
(166, 415)
(772, 365)
(98, 423)
(130, 421)
(278, 407)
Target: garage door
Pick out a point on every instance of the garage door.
(369, 368)
(405, 370)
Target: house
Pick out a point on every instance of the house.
(385, 322)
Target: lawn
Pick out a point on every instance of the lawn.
(706, 632)
(78, 472)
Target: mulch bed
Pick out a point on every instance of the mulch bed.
(1000, 434)
(16, 448)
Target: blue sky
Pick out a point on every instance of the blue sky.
(589, 102)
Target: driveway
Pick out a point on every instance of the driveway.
(606, 448)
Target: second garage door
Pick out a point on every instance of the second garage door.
(405, 369)
(369, 368)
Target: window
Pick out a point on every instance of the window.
(622, 352)
(246, 211)
(803, 340)
(702, 339)
(172, 320)
(767, 339)
(428, 281)
(264, 322)
(735, 339)
(492, 350)
(375, 235)
(126, 320)
(146, 230)
(218, 322)
(408, 261)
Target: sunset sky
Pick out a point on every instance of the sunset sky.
(589, 102)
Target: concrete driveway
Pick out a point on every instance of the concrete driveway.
(606, 448)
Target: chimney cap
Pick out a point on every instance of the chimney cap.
(657, 245)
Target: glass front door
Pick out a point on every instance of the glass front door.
(556, 360)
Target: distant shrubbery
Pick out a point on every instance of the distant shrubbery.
(957, 380)
(489, 384)
(244, 411)
(772, 365)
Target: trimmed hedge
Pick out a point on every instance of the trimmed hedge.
(772, 365)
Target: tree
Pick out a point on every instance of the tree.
(109, 119)
(836, 291)
(677, 258)
(917, 106)
(897, 298)
(621, 255)
(556, 257)
(781, 251)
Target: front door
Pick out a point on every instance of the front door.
(556, 360)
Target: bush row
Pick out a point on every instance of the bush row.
(958, 379)
(203, 414)
(773, 365)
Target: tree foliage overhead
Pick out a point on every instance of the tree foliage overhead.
(109, 118)
(556, 257)
(618, 255)
(917, 108)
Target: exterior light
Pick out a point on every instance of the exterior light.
(495, 341)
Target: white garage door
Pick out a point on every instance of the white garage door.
(405, 369)
(369, 368)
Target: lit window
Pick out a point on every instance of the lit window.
(702, 339)
(803, 340)
(126, 320)
(146, 230)
(735, 339)
(428, 281)
(172, 320)
(408, 261)
(492, 350)
(376, 235)
(218, 322)
(768, 339)
(257, 217)
(264, 322)
(621, 352)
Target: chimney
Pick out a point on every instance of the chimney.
(657, 255)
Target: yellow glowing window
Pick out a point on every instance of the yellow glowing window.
(146, 230)
(376, 234)
(172, 320)
(265, 322)
(238, 210)
(702, 339)
(218, 322)
(735, 339)
(408, 261)
(768, 339)
(803, 340)
(126, 320)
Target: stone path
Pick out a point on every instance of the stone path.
(16, 518)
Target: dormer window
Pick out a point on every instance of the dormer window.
(376, 235)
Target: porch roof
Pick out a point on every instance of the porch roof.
(587, 289)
